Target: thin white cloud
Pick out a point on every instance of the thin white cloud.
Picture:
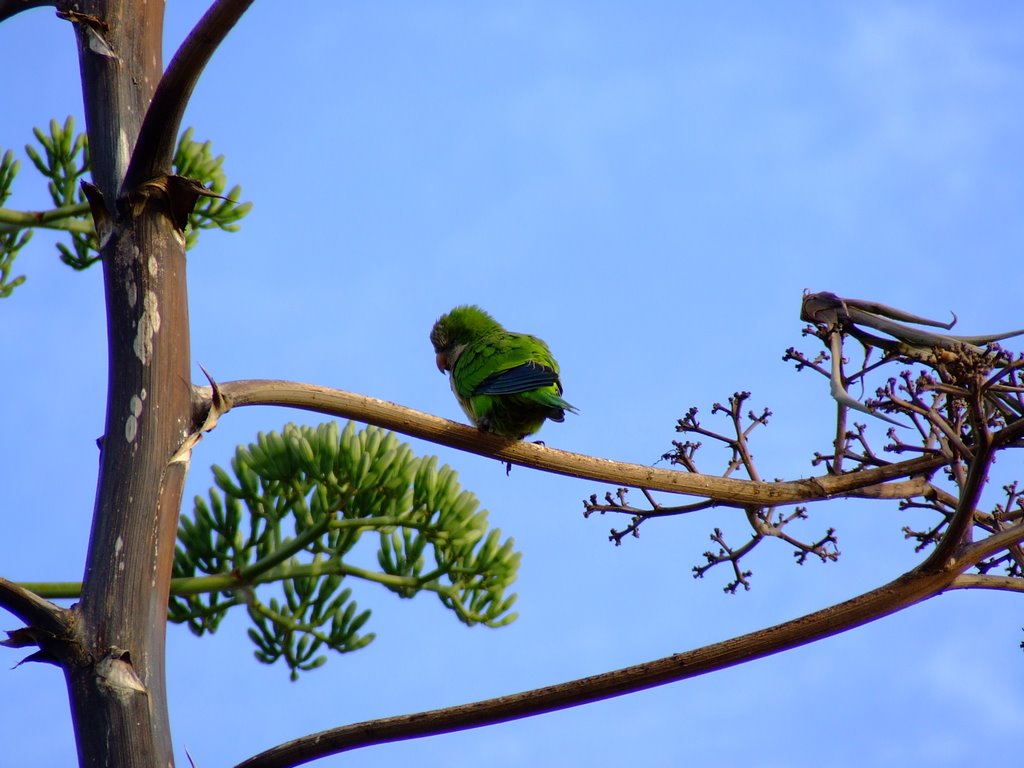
(930, 88)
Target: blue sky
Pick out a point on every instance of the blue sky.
(649, 188)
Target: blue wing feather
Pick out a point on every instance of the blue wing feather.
(522, 378)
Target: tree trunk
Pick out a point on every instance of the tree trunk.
(117, 683)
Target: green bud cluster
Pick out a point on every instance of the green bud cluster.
(12, 239)
(62, 157)
(64, 161)
(288, 518)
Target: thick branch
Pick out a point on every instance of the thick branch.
(907, 590)
(417, 424)
(154, 149)
(32, 609)
(904, 489)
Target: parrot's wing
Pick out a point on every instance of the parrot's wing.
(522, 378)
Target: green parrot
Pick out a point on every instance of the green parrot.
(507, 383)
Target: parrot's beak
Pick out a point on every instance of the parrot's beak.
(442, 362)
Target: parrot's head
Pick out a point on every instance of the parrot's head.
(442, 345)
(452, 332)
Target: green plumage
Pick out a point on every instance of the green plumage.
(507, 383)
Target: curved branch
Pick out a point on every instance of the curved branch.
(1009, 434)
(978, 551)
(978, 581)
(963, 518)
(398, 418)
(905, 591)
(158, 135)
(10, 8)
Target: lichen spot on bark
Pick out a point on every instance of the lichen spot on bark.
(131, 425)
(149, 324)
